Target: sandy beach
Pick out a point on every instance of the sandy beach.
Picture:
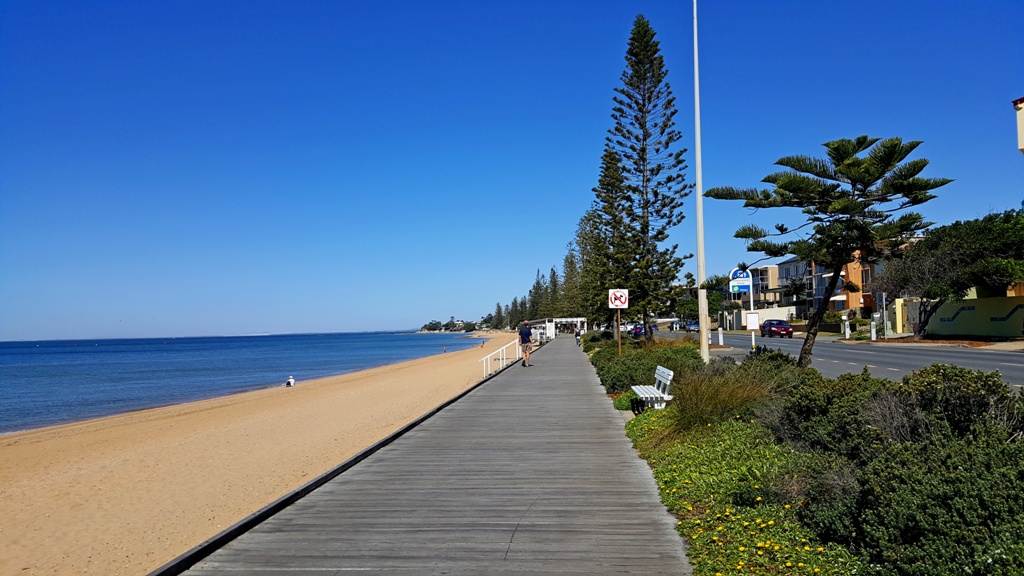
(128, 493)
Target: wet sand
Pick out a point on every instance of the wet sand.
(126, 494)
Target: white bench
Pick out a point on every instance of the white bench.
(656, 395)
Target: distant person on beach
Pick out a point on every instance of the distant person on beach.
(289, 382)
(526, 341)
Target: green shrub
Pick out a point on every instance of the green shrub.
(961, 398)
(951, 507)
(593, 340)
(602, 358)
(833, 317)
(636, 366)
(722, 390)
(770, 357)
(827, 415)
(718, 480)
(624, 401)
(626, 371)
(827, 484)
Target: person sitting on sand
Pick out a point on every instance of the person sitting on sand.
(290, 382)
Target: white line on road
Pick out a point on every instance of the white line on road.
(870, 366)
(893, 369)
(852, 363)
(1010, 364)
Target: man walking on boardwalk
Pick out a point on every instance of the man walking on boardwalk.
(526, 341)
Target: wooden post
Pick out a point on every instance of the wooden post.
(618, 329)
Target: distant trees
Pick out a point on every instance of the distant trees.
(570, 303)
(850, 199)
(622, 240)
(987, 254)
(498, 318)
(432, 326)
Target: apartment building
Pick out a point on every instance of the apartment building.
(814, 280)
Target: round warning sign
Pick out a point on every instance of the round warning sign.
(618, 298)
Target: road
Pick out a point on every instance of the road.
(832, 357)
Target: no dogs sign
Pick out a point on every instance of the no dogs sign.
(618, 298)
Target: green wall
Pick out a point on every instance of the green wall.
(997, 317)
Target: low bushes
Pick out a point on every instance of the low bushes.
(951, 507)
(716, 480)
(594, 340)
(721, 390)
(636, 366)
(778, 470)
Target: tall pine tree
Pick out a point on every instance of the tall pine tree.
(571, 304)
(653, 186)
(498, 319)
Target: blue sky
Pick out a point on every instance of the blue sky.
(213, 167)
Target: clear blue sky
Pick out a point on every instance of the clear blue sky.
(213, 167)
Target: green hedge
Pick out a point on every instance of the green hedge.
(919, 477)
(636, 366)
(953, 507)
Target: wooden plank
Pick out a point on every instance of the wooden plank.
(531, 472)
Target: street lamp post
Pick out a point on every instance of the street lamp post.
(702, 293)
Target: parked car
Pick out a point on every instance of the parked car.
(638, 331)
(772, 328)
(692, 326)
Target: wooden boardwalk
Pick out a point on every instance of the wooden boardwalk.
(531, 472)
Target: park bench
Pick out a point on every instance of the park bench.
(656, 395)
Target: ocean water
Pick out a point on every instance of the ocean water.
(56, 382)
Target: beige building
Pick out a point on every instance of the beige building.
(1018, 105)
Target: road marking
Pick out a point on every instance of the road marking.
(893, 369)
(870, 366)
(1010, 364)
(852, 363)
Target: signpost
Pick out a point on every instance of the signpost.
(753, 323)
(741, 281)
(617, 300)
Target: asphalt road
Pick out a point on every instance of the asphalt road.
(832, 357)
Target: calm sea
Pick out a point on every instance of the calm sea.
(55, 382)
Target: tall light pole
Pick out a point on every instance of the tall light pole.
(702, 293)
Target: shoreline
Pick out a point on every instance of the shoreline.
(199, 397)
(127, 493)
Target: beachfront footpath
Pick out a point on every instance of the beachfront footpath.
(529, 472)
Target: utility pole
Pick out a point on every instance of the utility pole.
(702, 293)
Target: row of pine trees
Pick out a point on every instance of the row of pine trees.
(622, 240)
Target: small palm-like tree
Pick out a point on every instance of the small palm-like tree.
(850, 199)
